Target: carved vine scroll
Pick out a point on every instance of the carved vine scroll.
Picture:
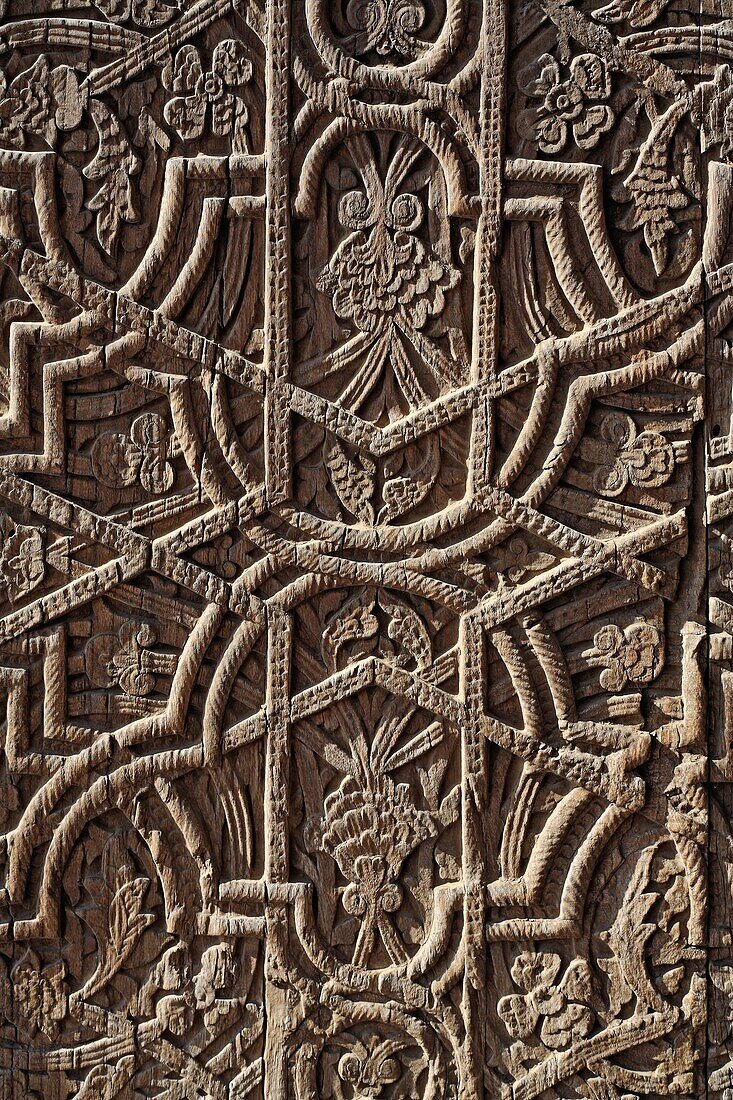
(366, 549)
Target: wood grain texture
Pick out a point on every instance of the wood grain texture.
(366, 549)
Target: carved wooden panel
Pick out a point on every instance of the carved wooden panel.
(366, 549)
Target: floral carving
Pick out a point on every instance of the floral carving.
(201, 94)
(560, 1009)
(370, 827)
(22, 561)
(176, 993)
(390, 284)
(313, 317)
(127, 659)
(574, 106)
(120, 460)
(522, 561)
(376, 622)
(169, 976)
(353, 476)
(218, 972)
(648, 953)
(634, 655)
(386, 273)
(48, 102)
(386, 26)
(143, 13)
(645, 460)
(371, 1069)
(40, 994)
(40, 100)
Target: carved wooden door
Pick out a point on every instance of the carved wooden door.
(366, 462)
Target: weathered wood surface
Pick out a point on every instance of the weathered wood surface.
(366, 549)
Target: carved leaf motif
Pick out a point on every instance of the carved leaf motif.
(628, 938)
(401, 493)
(127, 922)
(408, 632)
(109, 1082)
(115, 164)
(119, 933)
(353, 477)
(656, 190)
(143, 13)
(356, 620)
(637, 13)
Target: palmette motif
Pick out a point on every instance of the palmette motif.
(366, 628)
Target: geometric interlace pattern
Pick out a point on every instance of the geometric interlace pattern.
(366, 549)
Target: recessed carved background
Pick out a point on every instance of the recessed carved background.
(366, 549)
